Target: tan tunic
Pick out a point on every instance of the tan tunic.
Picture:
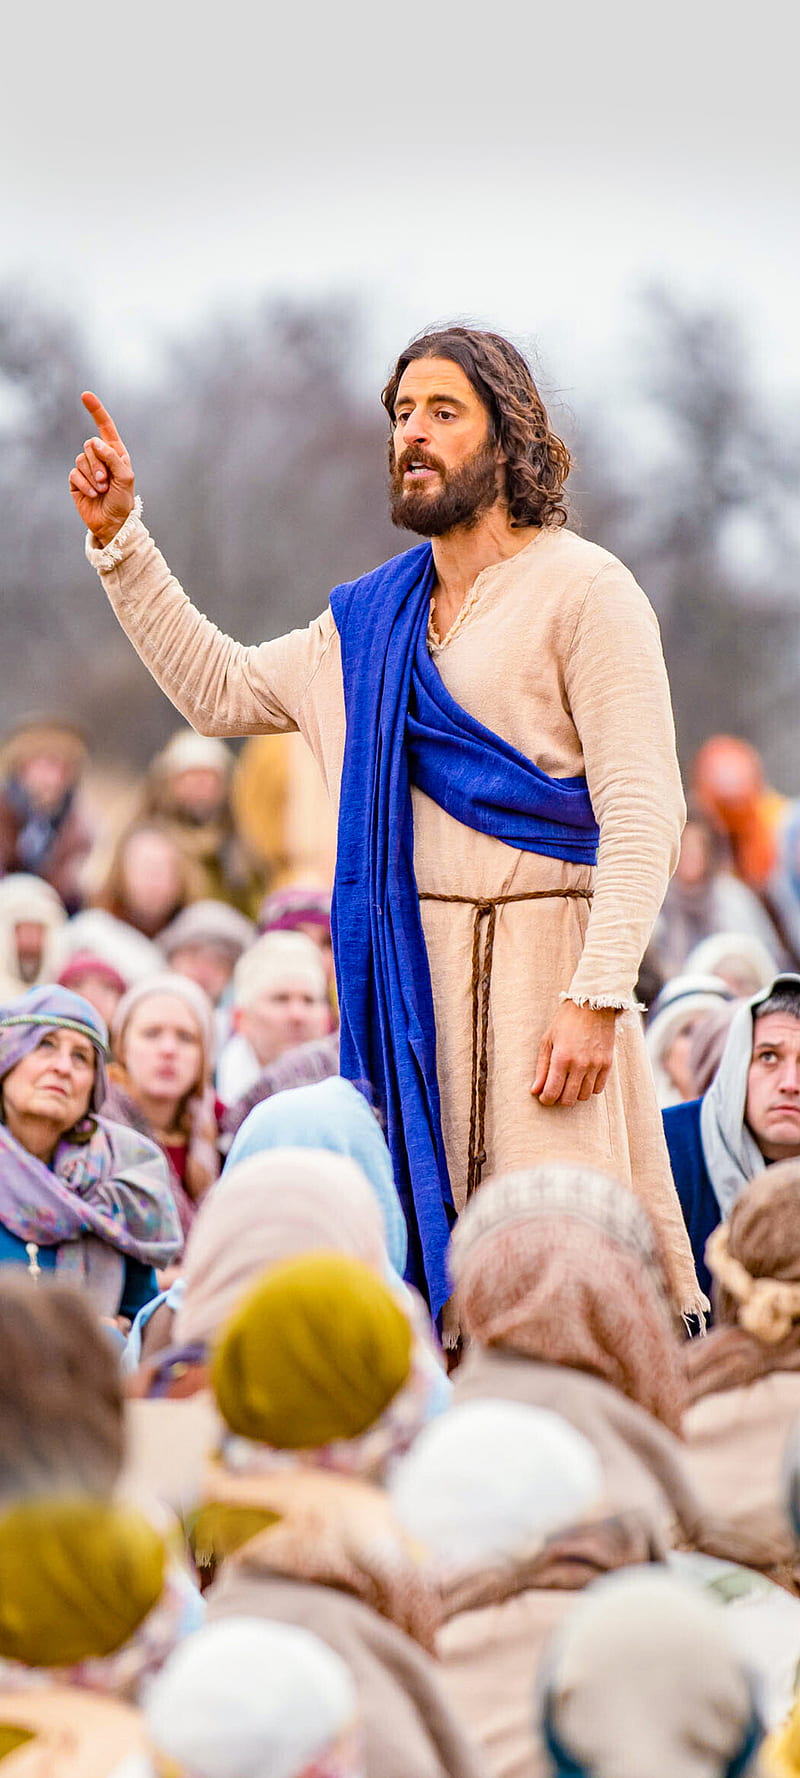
(558, 652)
(736, 1445)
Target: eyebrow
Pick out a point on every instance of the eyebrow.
(452, 401)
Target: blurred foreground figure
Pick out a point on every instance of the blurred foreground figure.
(316, 1376)
(491, 714)
(642, 1678)
(43, 830)
(744, 1378)
(244, 1698)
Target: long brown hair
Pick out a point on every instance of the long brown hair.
(61, 1426)
(537, 461)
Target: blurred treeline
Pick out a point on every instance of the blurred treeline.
(262, 462)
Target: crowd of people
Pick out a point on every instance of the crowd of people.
(254, 1523)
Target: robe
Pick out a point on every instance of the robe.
(556, 650)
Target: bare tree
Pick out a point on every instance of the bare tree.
(697, 488)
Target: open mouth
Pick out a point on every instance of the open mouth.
(418, 469)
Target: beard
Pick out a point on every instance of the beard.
(463, 496)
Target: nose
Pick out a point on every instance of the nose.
(790, 1075)
(414, 428)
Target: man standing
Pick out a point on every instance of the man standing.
(491, 714)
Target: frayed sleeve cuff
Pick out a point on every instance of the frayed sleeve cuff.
(620, 1002)
(104, 557)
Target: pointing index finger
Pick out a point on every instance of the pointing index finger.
(102, 419)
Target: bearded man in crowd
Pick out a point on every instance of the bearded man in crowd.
(491, 714)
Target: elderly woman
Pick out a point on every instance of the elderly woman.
(79, 1195)
(744, 1379)
(163, 1038)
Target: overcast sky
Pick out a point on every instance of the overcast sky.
(528, 166)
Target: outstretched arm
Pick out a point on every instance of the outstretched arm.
(218, 684)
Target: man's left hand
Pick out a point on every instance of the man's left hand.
(575, 1055)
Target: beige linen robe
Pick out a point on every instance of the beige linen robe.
(736, 1445)
(410, 1729)
(558, 652)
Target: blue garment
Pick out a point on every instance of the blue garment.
(333, 1115)
(139, 1283)
(404, 728)
(698, 1200)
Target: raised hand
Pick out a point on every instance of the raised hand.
(101, 482)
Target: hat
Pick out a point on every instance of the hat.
(77, 1577)
(489, 1481)
(246, 1696)
(314, 1353)
(39, 735)
(187, 751)
(83, 963)
(208, 923)
(274, 959)
(286, 909)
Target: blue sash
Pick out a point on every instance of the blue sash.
(404, 728)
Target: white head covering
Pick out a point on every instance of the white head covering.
(276, 958)
(267, 1209)
(489, 1481)
(186, 751)
(208, 923)
(732, 1155)
(642, 1679)
(246, 1698)
(684, 997)
(102, 935)
(711, 953)
(27, 898)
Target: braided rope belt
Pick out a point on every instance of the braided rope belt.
(482, 959)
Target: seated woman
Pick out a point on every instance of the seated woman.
(163, 1038)
(744, 1379)
(79, 1194)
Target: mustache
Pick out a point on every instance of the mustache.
(409, 456)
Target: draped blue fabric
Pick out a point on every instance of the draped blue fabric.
(404, 728)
